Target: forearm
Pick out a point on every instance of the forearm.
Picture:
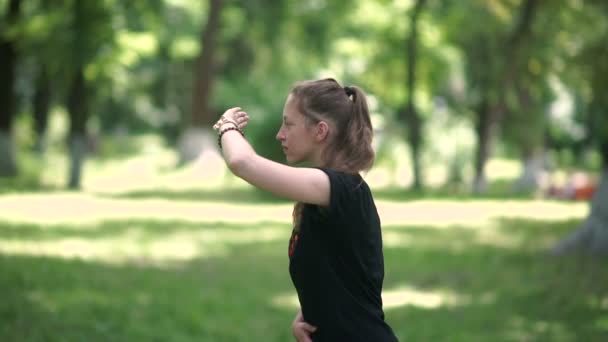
(235, 150)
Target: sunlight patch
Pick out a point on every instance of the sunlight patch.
(399, 297)
(409, 296)
(134, 245)
(526, 329)
(86, 209)
(288, 301)
(397, 239)
(112, 251)
(492, 236)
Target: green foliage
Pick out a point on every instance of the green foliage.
(140, 55)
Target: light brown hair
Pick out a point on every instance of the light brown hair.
(349, 148)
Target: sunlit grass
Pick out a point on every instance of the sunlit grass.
(82, 208)
(393, 298)
(97, 267)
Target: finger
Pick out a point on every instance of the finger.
(232, 111)
(308, 327)
(303, 337)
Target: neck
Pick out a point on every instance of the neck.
(317, 159)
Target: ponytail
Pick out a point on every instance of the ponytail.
(359, 154)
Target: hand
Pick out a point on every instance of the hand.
(234, 116)
(302, 330)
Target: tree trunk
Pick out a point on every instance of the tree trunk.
(42, 101)
(415, 139)
(204, 71)
(78, 150)
(8, 62)
(193, 140)
(533, 164)
(78, 95)
(78, 112)
(483, 131)
(410, 115)
(8, 164)
(592, 236)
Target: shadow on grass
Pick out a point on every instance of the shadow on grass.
(496, 190)
(501, 189)
(49, 299)
(25, 184)
(512, 292)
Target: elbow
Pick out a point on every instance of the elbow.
(239, 164)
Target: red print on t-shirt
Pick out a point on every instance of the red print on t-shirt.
(292, 243)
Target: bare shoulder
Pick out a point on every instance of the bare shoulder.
(307, 185)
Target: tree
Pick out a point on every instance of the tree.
(41, 106)
(8, 64)
(90, 29)
(492, 53)
(592, 235)
(197, 137)
(409, 113)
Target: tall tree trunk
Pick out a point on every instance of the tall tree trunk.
(170, 126)
(592, 236)
(484, 130)
(77, 140)
(533, 164)
(42, 101)
(78, 96)
(533, 155)
(410, 115)
(198, 136)
(8, 62)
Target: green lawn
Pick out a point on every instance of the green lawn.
(178, 275)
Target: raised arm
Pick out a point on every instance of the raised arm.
(307, 185)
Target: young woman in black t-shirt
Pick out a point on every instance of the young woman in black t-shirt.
(335, 250)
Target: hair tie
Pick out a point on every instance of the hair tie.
(349, 91)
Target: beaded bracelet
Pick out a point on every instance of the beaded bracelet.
(219, 137)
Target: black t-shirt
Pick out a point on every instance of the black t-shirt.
(337, 266)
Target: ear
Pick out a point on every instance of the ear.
(321, 131)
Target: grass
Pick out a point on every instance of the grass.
(212, 279)
(147, 253)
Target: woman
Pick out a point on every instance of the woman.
(335, 251)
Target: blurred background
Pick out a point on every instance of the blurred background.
(120, 221)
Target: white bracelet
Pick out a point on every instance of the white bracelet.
(222, 121)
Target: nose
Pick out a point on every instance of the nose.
(280, 135)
